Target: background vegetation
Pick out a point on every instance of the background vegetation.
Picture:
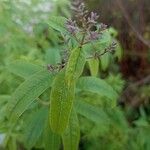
(27, 42)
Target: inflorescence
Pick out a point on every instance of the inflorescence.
(86, 25)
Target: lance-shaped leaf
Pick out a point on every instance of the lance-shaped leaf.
(94, 66)
(105, 61)
(58, 23)
(98, 86)
(34, 126)
(71, 136)
(12, 143)
(99, 45)
(51, 140)
(61, 99)
(75, 65)
(4, 99)
(118, 51)
(92, 113)
(53, 56)
(27, 92)
(23, 69)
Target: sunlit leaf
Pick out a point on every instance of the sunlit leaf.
(61, 101)
(75, 65)
(51, 140)
(94, 66)
(71, 136)
(105, 61)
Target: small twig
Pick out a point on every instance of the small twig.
(98, 55)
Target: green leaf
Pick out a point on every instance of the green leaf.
(12, 143)
(98, 45)
(75, 65)
(51, 140)
(99, 86)
(61, 99)
(105, 39)
(118, 51)
(113, 32)
(23, 69)
(53, 56)
(3, 113)
(92, 113)
(4, 99)
(27, 92)
(34, 127)
(105, 61)
(58, 23)
(71, 136)
(94, 66)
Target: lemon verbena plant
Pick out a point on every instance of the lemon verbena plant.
(50, 122)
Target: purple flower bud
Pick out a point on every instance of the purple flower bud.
(76, 2)
(50, 67)
(92, 19)
(112, 47)
(103, 26)
(82, 7)
(94, 16)
(71, 26)
(93, 35)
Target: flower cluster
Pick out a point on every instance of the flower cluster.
(85, 29)
(85, 23)
(93, 35)
(79, 10)
(71, 26)
(92, 19)
(112, 47)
